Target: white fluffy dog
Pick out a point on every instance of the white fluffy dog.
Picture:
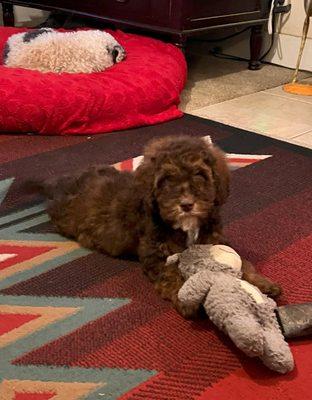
(47, 50)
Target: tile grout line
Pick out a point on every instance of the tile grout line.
(282, 97)
(285, 97)
(303, 133)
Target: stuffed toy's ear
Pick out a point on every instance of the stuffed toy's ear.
(253, 292)
(226, 255)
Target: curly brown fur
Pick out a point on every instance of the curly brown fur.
(171, 200)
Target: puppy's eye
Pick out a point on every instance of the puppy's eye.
(164, 180)
(200, 176)
(169, 182)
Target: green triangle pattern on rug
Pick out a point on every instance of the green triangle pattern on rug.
(4, 188)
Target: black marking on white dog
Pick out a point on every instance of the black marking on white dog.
(6, 52)
(114, 54)
(29, 36)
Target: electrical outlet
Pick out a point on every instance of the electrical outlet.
(282, 6)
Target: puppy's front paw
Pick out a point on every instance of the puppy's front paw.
(164, 248)
(271, 289)
(186, 311)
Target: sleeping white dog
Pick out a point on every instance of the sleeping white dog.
(47, 50)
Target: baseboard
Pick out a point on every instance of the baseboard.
(286, 50)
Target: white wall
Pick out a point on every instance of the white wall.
(292, 23)
(287, 43)
(289, 39)
(25, 16)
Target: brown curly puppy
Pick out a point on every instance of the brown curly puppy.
(172, 200)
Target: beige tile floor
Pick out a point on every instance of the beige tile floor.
(270, 112)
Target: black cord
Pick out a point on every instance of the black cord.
(274, 17)
(215, 53)
(223, 38)
(235, 58)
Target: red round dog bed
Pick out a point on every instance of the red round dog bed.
(142, 90)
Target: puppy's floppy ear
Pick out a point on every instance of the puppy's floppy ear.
(221, 174)
(145, 178)
(148, 170)
(155, 148)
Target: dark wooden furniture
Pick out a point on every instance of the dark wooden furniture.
(178, 19)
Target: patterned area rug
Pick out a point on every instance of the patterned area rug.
(75, 324)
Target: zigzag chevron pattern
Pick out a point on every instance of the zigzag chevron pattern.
(30, 322)
(44, 324)
(235, 161)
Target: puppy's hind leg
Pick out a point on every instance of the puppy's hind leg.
(59, 194)
(52, 188)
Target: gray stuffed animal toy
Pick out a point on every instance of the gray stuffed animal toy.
(213, 278)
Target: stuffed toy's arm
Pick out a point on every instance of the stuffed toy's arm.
(196, 288)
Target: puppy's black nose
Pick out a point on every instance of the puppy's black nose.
(186, 205)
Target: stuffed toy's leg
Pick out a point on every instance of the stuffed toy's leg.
(246, 333)
(277, 355)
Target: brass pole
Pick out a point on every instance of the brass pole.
(303, 41)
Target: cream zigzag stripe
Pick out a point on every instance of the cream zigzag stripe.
(61, 249)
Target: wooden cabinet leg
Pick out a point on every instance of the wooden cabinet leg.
(256, 41)
(180, 42)
(8, 14)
